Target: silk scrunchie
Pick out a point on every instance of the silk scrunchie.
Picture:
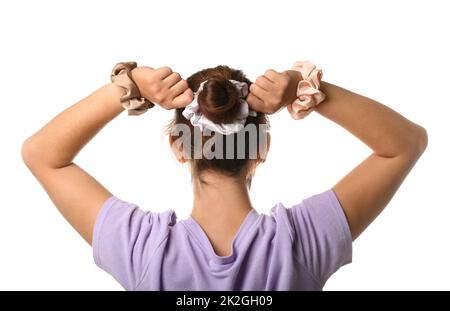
(308, 93)
(192, 112)
(132, 101)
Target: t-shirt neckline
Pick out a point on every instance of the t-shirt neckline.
(200, 235)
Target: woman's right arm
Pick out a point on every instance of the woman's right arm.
(397, 143)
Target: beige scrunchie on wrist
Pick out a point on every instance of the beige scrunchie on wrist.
(132, 101)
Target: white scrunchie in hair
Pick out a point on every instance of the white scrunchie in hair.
(193, 114)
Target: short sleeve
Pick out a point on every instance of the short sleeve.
(125, 237)
(321, 234)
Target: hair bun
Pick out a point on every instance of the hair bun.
(219, 100)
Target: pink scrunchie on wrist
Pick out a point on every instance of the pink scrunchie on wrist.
(308, 93)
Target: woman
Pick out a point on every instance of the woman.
(225, 244)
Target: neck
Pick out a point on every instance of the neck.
(220, 196)
(220, 205)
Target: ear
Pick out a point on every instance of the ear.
(177, 148)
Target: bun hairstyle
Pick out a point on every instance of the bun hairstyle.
(219, 102)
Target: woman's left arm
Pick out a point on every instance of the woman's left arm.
(50, 152)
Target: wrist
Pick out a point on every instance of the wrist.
(136, 77)
(115, 92)
(308, 93)
(132, 100)
(295, 75)
(108, 97)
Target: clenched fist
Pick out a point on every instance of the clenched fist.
(273, 90)
(162, 86)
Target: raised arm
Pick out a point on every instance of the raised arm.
(397, 143)
(50, 152)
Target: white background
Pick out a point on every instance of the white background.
(54, 53)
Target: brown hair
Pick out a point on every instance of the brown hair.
(219, 102)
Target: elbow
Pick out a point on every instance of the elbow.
(418, 141)
(422, 139)
(37, 157)
(29, 153)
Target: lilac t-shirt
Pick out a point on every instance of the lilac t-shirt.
(295, 248)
